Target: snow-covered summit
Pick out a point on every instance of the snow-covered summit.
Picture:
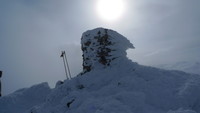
(101, 47)
(125, 88)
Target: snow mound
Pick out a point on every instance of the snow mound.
(24, 99)
(131, 88)
(126, 87)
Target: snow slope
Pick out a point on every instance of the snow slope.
(127, 88)
(24, 99)
(190, 67)
(122, 87)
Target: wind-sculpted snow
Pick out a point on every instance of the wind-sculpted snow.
(23, 99)
(129, 88)
(101, 47)
(126, 87)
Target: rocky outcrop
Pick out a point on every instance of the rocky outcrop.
(101, 47)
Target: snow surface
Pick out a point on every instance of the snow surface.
(24, 99)
(125, 87)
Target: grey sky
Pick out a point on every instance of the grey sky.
(34, 32)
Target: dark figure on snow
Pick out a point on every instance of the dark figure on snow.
(0, 82)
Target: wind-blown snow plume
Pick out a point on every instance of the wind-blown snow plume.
(101, 47)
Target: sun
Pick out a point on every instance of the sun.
(110, 10)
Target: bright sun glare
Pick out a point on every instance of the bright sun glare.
(110, 10)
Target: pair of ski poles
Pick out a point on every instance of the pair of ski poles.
(66, 65)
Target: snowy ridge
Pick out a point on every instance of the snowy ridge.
(123, 88)
(190, 67)
(126, 89)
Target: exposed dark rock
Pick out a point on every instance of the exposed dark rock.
(101, 46)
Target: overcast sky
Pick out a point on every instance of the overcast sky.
(34, 32)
